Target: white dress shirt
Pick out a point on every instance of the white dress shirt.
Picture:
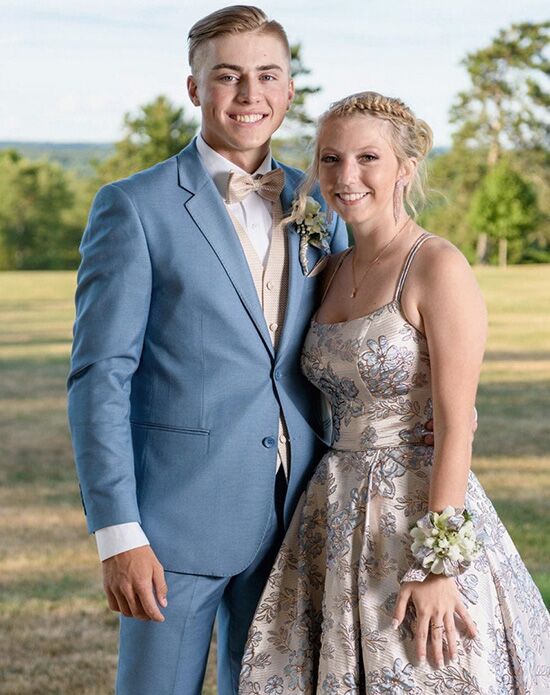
(254, 215)
(254, 212)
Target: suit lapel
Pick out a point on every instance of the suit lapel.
(205, 206)
(295, 275)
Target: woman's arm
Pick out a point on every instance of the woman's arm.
(455, 323)
(443, 298)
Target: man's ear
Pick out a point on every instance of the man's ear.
(192, 90)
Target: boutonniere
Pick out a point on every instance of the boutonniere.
(311, 225)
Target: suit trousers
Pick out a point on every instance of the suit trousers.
(170, 658)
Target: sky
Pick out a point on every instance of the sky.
(69, 71)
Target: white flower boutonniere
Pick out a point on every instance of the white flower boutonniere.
(312, 228)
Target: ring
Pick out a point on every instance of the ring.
(437, 627)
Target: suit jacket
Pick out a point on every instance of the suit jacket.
(175, 387)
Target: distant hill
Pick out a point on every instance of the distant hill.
(77, 156)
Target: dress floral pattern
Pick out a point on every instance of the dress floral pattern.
(323, 624)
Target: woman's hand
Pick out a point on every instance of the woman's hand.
(436, 600)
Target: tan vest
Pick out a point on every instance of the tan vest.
(271, 284)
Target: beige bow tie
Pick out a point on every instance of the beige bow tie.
(269, 185)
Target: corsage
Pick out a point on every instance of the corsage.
(444, 543)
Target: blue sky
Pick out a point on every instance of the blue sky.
(70, 70)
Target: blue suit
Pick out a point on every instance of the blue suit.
(175, 387)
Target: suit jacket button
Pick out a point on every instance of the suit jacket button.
(278, 374)
(268, 442)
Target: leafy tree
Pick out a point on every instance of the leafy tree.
(158, 131)
(505, 208)
(506, 103)
(298, 111)
(34, 197)
(534, 165)
(453, 178)
(295, 148)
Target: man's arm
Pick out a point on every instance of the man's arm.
(112, 307)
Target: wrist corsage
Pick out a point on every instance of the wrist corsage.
(444, 543)
(311, 225)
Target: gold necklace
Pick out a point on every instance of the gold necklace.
(357, 285)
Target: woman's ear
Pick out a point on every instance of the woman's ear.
(406, 172)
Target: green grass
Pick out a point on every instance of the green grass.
(56, 633)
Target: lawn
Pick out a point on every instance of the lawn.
(56, 634)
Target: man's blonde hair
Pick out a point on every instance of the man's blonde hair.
(235, 19)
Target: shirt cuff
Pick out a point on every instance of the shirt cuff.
(112, 540)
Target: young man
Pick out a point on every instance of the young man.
(194, 430)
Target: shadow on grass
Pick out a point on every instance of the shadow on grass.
(513, 419)
(526, 521)
(44, 588)
(34, 437)
(508, 356)
(36, 340)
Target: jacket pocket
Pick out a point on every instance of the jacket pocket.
(170, 428)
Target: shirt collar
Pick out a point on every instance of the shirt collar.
(219, 167)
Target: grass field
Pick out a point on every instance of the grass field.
(56, 634)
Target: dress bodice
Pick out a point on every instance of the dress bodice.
(375, 373)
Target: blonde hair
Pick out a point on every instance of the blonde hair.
(411, 138)
(235, 19)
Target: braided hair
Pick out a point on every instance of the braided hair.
(411, 138)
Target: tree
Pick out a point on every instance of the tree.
(453, 178)
(158, 131)
(506, 103)
(34, 198)
(294, 149)
(298, 111)
(505, 208)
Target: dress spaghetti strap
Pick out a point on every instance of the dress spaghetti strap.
(407, 265)
(338, 265)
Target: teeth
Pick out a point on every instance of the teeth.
(352, 196)
(248, 118)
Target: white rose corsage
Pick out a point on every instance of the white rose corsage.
(444, 543)
(312, 228)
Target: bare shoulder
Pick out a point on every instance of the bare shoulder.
(443, 284)
(440, 261)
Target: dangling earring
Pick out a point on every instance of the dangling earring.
(397, 200)
(329, 215)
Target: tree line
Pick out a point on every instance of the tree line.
(489, 191)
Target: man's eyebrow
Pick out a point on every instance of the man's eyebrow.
(238, 68)
(227, 66)
(272, 66)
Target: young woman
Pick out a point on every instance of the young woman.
(357, 602)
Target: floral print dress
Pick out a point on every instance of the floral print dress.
(323, 624)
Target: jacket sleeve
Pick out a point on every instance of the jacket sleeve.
(112, 307)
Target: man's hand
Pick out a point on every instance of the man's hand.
(134, 583)
(429, 438)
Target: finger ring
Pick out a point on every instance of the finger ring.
(437, 627)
